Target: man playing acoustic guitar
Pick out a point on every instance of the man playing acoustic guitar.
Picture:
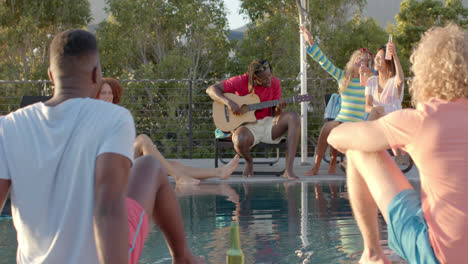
(272, 123)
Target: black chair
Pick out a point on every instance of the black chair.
(327, 157)
(226, 143)
(32, 99)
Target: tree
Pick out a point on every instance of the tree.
(273, 32)
(416, 17)
(164, 34)
(157, 39)
(26, 30)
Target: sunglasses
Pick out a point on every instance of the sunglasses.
(367, 51)
(265, 65)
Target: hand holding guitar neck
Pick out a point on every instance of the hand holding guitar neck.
(281, 104)
(279, 108)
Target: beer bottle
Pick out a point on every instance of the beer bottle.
(234, 254)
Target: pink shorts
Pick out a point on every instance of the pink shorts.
(138, 226)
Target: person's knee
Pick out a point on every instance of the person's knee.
(142, 139)
(148, 166)
(325, 129)
(293, 118)
(242, 138)
(329, 126)
(142, 145)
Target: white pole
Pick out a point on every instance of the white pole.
(303, 91)
(304, 191)
(304, 215)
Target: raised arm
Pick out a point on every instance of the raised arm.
(316, 53)
(110, 211)
(400, 76)
(216, 92)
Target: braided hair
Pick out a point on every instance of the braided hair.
(255, 67)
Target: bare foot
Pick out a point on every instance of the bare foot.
(226, 170)
(332, 168)
(374, 258)
(186, 180)
(313, 171)
(248, 170)
(290, 175)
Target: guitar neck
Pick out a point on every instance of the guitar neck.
(257, 106)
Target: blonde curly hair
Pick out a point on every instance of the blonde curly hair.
(440, 65)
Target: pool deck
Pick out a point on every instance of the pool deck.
(299, 169)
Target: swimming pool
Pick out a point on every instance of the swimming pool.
(279, 222)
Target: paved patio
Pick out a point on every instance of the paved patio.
(299, 169)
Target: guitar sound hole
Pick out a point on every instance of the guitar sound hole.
(226, 113)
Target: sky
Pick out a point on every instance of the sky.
(235, 19)
(232, 8)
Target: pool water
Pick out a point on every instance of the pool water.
(280, 222)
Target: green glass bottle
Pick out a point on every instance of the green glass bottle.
(234, 254)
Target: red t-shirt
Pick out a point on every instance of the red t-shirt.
(240, 86)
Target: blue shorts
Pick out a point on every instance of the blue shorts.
(407, 229)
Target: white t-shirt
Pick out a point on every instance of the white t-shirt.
(389, 99)
(49, 154)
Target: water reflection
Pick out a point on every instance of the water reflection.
(279, 223)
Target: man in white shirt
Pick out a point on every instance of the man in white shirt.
(68, 163)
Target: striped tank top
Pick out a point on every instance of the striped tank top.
(353, 98)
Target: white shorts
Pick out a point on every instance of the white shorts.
(261, 130)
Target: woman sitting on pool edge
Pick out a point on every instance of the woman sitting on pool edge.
(111, 91)
(384, 92)
(351, 91)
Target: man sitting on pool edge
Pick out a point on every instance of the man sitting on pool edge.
(429, 227)
(68, 163)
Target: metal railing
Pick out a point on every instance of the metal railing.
(177, 114)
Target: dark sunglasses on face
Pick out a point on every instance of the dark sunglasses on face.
(367, 51)
(265, 65)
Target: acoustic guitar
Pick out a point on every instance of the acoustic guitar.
(225, 120)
